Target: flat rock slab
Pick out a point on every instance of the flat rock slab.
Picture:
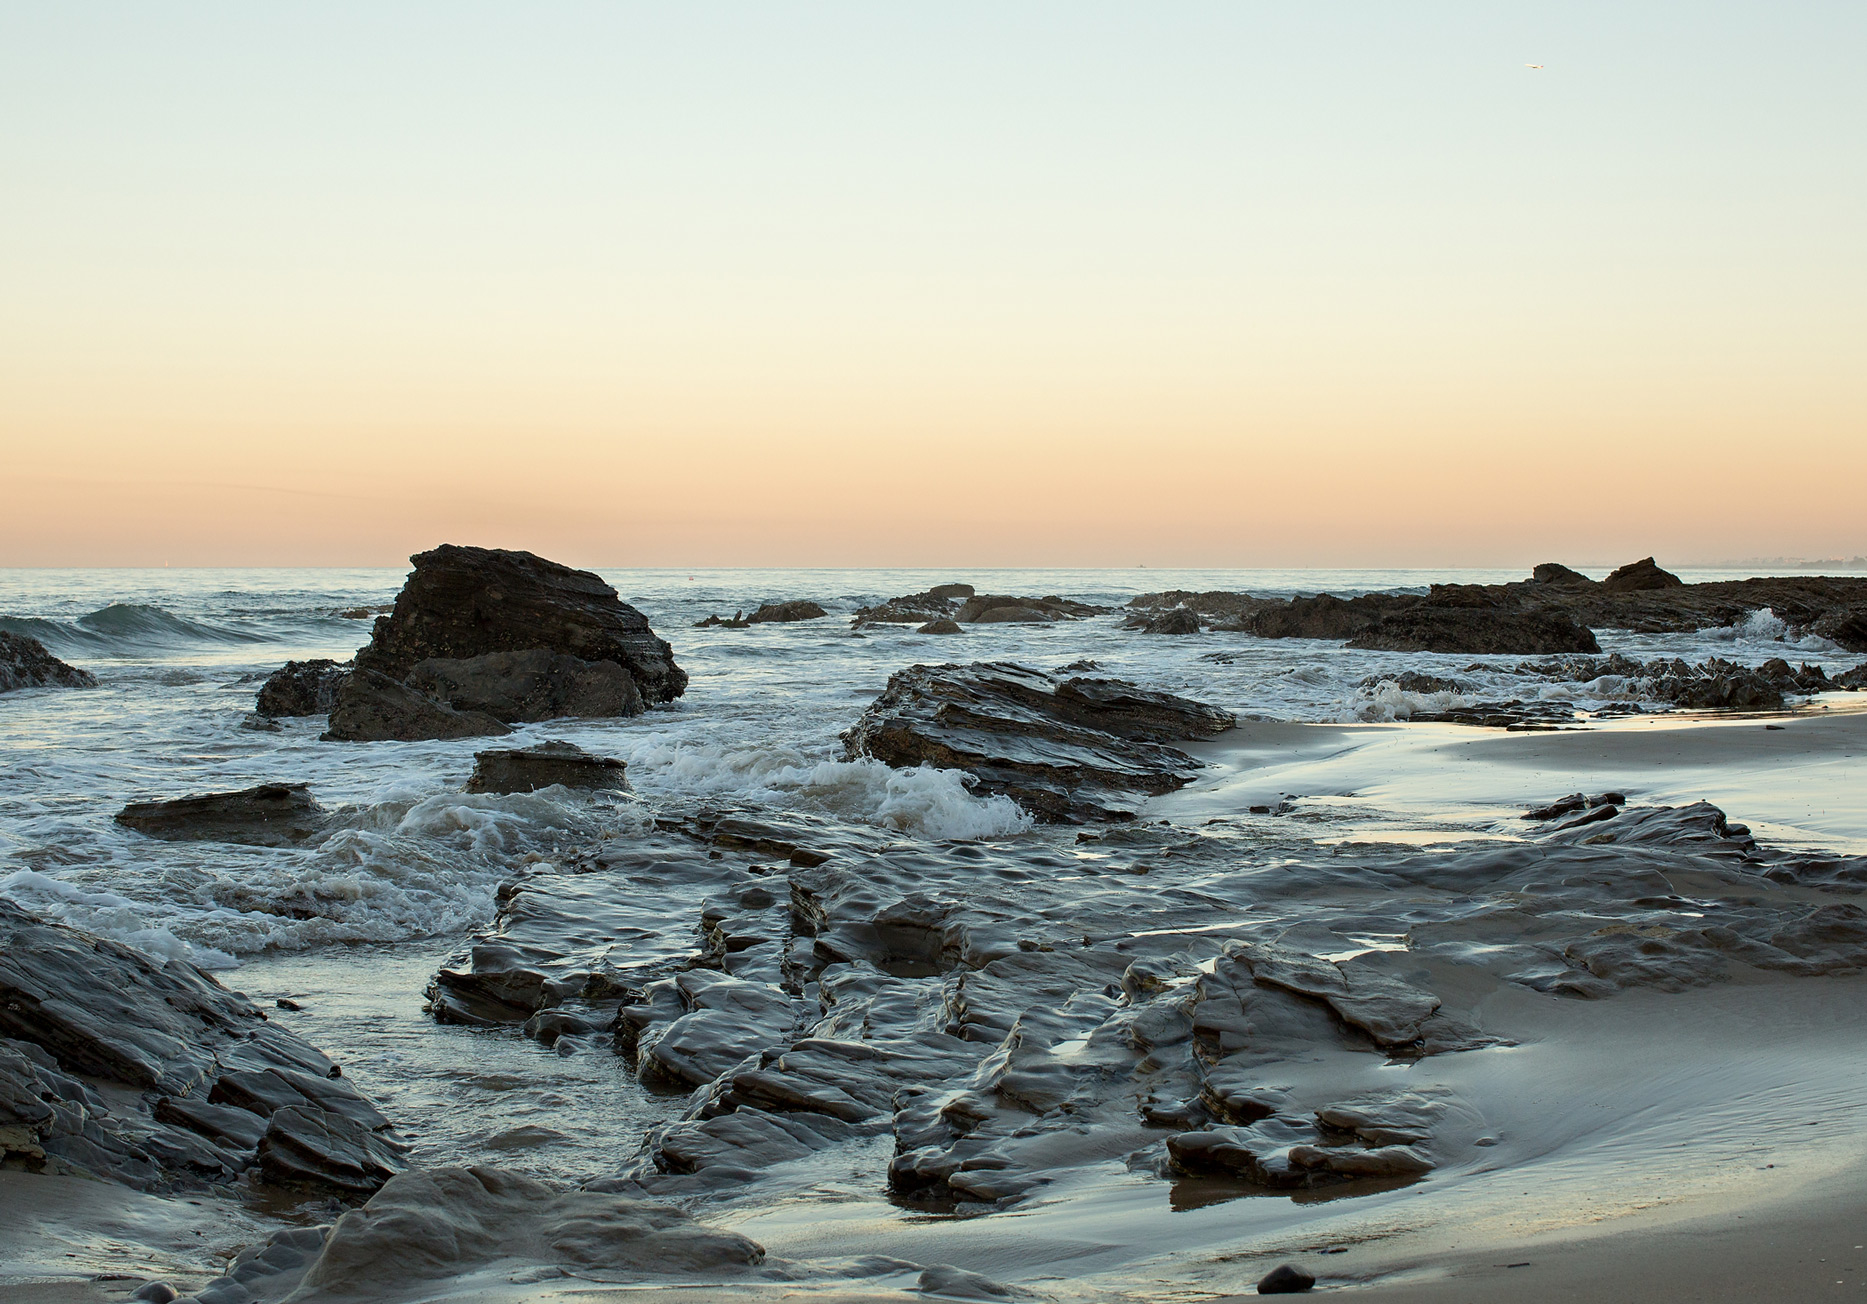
(1065, 749)
(527, 769)
(269, 815)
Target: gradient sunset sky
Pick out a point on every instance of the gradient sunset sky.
(1228, 284)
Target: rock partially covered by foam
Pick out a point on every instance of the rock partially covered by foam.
(1071, 749)
(302, 688)
(462, 602)
(527, 769)
(441, 1222)
(118, 1066)
(374, 708)
(269, 815)
(24, 663)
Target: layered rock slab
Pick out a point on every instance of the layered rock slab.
(268, 815)
(1065, 749)
(527, 769)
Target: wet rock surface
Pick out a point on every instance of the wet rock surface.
(118, 1066)
(527, 769)
(959, 603)
(1476, 628)
(24, 663)
(1065, 749)
(269, 815)
(786, 612)
(371, 707)
(516, 687)
(302, 688)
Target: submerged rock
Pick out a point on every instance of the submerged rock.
(527, 769)
(24, 663)
(515, 687)
(302, 688)
(270, 815)
(941, 626)
(371, 707)
(119, 1066)
(1070, 749)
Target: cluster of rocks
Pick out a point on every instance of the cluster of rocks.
(117, 1066)
(478, 640)
(945, 607)
(1553, 612)
(772, 613)
(1711, 684)
(24, 663)
(1065, 749)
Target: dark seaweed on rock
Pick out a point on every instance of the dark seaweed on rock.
(24, 663)
(122, 1067)
(1066, 750)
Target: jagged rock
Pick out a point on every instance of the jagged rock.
(1070, 749)
(1412, 681)
(371, 707)
(1216, 604)
(527, 769)
(1639, 576)
(941, 626)
(515, 687)
(1852, 680)
(270, 815)
(118, 1066)
(462, 602)
(1176, 620)
(24, 663)
(302, 688)
(1324, 616)
(988, 609)
(442, 1222)
(1474, 629)
(786, 612)
(307, 1146)
(1846, 627)
(942, 600)
(1554, 572)
(1711, 684)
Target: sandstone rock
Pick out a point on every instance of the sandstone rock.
(786, 612)
(302, 688)
(371, 707)
(462, 602)
(527, 769)
(941, 626)
(270, 815)
(1069, 749)
(24, 663)
(1641, 575)
(515, 687)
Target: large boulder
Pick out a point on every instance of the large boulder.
(527, 769)
(535, 684)
(120, 1066)
(462, 602)
(372, 707)
(1066, 750)
(786, 612)
(1003, 609)
(269, 815)
(24, 663)
(1640, 576)
(302, 688)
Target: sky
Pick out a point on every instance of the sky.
(1188, 284)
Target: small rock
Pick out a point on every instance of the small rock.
(940, 626)
(154, 1292)
(527, 769)
(1285, 1280)
(258, 723)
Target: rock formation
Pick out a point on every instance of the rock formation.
(958, 602)
(302, 688)
(536, 684)
(527, 769)
(24, 663)
(1068, 749)
(118, 1066)
(372, 707)
(270, 815)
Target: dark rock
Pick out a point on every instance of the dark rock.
(462, 602)
(1215, 604)
(24, 663)
(1285, 1279)
(307, 1146)
(302, 688)
(257, 723)
(737, 621)
(941, 626)
(1177, 620)
(1852, 680)
(1846, 627)
(535, 684)
(786, 612)
(527, 769)
(1713, 684)
(270, 815)
(1412, 681)
(1065, 750)
(989, 609)
(951, 592)
(1553, 572)
(110, 1059)
(155, 1292)
(1474, 629)
(372, 707)
(1323, 616)
(1639, 576)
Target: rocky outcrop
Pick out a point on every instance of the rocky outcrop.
(1001, 609)
(527, 769)
(941, 626)
(118, 1066)
(516, 687)
(786, 612)
(462, 602)
(24, 663)
(302, 688)
(1474, 629)
(1713, 684)
(1554, 572)
(1639, 577)
(1175, 620)
(1070, 749)
(270, 815)
(374, 708)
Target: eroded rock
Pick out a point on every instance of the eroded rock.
(24, 663)
(372, 707)
(269, 815)
(302, 688)
(527, 769)
(536, 684)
